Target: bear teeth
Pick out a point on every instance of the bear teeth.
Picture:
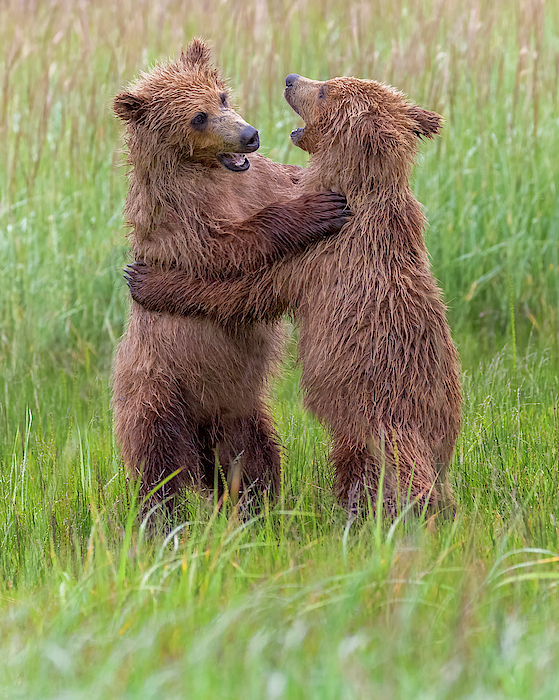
(236, 162)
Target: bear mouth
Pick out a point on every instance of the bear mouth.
(296, 135)
(236, 162)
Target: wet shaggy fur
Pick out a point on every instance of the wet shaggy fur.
(189, 389)
(379, 365)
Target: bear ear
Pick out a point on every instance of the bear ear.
(426, 123)
(197, 53)
(129, 107)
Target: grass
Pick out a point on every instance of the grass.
(297, 602)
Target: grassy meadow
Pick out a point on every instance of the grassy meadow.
(297, 602)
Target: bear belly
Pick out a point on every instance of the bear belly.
(220, 371)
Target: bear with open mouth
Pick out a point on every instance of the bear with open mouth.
(379, 367)
(201, 202)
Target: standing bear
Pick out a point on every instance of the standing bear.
(378, 363)
(186, 387)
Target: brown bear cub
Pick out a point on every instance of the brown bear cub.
(379, 365)
(189, 389)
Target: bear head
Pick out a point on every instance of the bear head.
(363, 133)
(181, 109)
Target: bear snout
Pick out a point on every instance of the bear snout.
(249, 138)
(291, 79)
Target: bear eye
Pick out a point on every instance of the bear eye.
(200, 119)
(223, 97)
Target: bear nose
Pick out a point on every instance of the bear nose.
(291, 79)
(249, 137)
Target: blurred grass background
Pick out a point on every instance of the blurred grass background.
(299, 603)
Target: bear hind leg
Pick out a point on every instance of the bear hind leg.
(158, 436)
(356, 478)
(250, 453)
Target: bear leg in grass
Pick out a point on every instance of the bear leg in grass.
(202, 202)
(361, 471)
(159, 435)
(250, 448)
(356, 479)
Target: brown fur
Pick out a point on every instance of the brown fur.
(379, 365)
(186, 386)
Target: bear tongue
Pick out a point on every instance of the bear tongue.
(237, 162)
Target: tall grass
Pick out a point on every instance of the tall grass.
(297, 601)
